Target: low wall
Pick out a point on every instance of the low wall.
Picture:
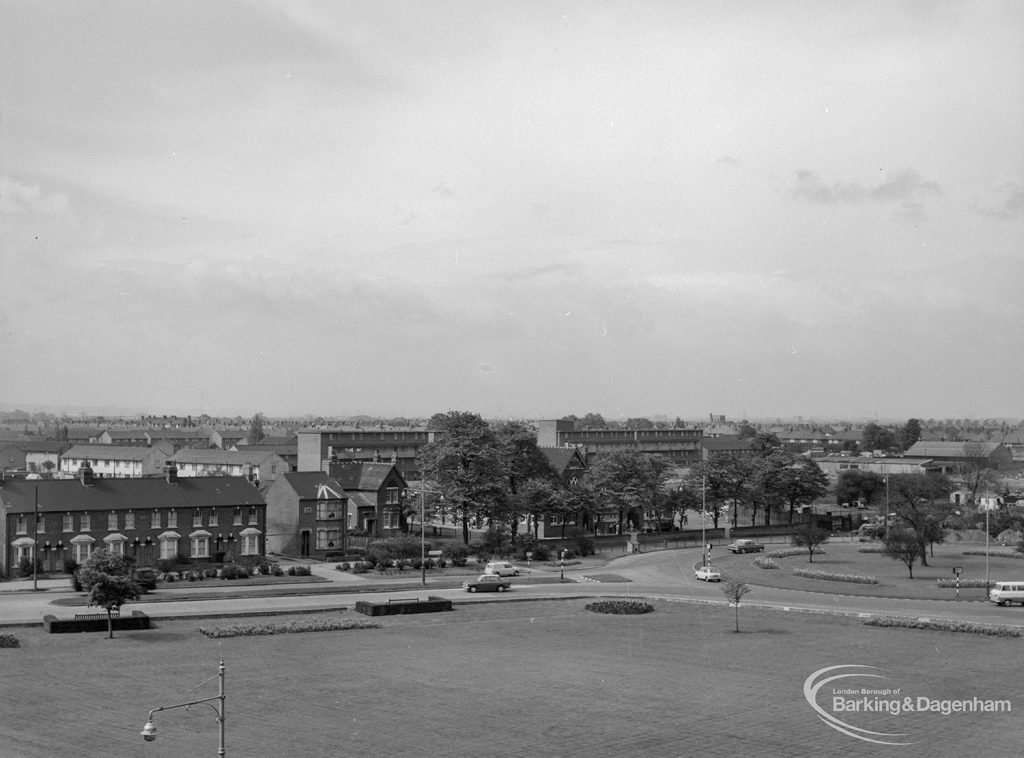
(96, 622)
(398, 607)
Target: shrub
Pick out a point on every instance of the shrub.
(541, 552)
(343, 566)
(210, 573)
(231, 571)
(70, 566)
(621, 607)
(25, 567)
(320, 624)
(457, 554)
(182, 560)
(9, 640)
(871, 549)
(765, 562)
(584, 546)
(828, 576)
(943, 625)
(360, 568)
(165, 564)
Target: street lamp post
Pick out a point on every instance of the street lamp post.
(423, 540)
(35, 543)
(149, 730)
(703, 519)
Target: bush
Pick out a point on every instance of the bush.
(585, 546)
(360, 568)
(210, 573)
(765, 562)
(165, 564)
(70, 567)
(9, 640)
(25, 567)
(621, 607)
(299, 571)
(457, 554)
(231, 571)
(343, 566)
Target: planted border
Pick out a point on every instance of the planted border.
(322, 624)
(766, 562)
(968, 583)
(941, 625)
(1000, 553)
(828, 576)
(9, 640)
(620, 607)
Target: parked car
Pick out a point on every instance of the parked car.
(146, 578)
(487, 583)
(708, 574)
(744, 546)
(501, 568)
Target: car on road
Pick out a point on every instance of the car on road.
(501, 568)
(708, 574)
(744, 546)
(487, 583)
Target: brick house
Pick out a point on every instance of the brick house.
(375, 496)
(115, 460)
(307, 513)
(147, 519)
(37, 456)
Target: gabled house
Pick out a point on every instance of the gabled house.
(37, 456)
(180, 439)
(288, 450)
(375, 496)
(226, 439)
(115, 461)
(256, 465)
(307, 513)
(147, 519)
(125, 437)
(568, 464)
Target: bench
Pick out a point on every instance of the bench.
(97, 615)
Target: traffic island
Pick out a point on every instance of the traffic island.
(399, 606)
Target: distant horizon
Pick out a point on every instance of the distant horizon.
(71, 411)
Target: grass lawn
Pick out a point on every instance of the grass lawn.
(501, 679)
(892, 575)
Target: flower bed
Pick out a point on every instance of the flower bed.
(789, 552)
(941, 625)
(765, 562)
(321, 624)
(9, 640)
(968, 583)
(828, 576)
(621, 607)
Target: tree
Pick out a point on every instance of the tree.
(630, 480)
(593, 421)
(256, 429)
(108, 578)
(638, 423)
(734, 590)
(974, 470)
(464, 463)
(809, 536)
(910, 433)
(730, 479)
(904, 545)
(875, 437)
(854, 485)
(801, 483)
(921, 501)
(521, 461)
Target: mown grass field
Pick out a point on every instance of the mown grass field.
(499, 679)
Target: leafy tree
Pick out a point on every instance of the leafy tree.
(521, 461)
(638, 423)
(973, 469)
(875, 437)
(766, 443)
(746, 431)
(856, 484)
(730, 479)
(910, 433)
(922, 502)
(108, 578)
(809, 536)
(734, 590)
(464, 463)
(594, 421)
(540, 499)
(630, 480)
(256, 429)
(904, 545)
(801, 483)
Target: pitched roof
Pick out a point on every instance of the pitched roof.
(559, 457)
(39, 446)
(368, 476)
(138, 494)
(314, 485)
(112, 452)
(225, 457)
(931, 449)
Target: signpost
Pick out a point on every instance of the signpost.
(957, 570)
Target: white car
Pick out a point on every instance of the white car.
(501, 568)
(708, 574)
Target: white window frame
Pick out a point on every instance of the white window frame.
(172, 519)
(129, 520)
(200, 547)
(112, 521)
(168, 548)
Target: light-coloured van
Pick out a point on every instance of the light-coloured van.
(501, 568)
(1007, 593)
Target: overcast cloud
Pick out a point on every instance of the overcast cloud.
(522, 209)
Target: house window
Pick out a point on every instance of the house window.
(390, 519)
(129, 520)
(329, 509)
(201, 547)
(116, 547)
(392, 496)
(238, 517)
(254, 517)
(112, 521)
(326, 539)
(156, 520)
(86, 523)
(68, 524)
(250, 543)
(172, 519)
(197, 519)
(214, 520)
(21, 525)
(168, 548)
(82, 551)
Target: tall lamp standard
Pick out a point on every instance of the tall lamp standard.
(703, 519)
(423, 540)
(149, 731)
(35, 543)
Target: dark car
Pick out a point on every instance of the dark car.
(146, 578)
(487, 583)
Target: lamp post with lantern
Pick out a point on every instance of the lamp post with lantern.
(149, 730)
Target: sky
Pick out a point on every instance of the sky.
(520, 209)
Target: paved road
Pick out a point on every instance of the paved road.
(666, 574)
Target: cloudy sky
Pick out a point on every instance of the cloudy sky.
(758, 209)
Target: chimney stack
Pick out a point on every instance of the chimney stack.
(85, 474)
(171, 472)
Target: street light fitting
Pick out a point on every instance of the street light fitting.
(148, 732)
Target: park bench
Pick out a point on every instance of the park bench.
(97, 615)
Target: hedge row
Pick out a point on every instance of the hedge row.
(317, 624)
(940, 625)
